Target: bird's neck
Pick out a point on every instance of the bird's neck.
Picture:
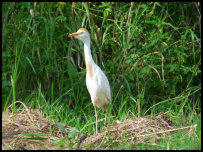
(89, 60)
(87, 50)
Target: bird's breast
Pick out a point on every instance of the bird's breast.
(89, 67)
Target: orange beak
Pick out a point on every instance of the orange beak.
(74, 34)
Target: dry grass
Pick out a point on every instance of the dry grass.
(134, 131)
(29, 121)
(20, 128)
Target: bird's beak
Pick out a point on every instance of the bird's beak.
(74, 34)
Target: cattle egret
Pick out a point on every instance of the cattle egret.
(96, 81)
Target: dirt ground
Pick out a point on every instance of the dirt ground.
(28, 129)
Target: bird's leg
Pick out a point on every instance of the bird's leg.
(95, 109)
(105, 118)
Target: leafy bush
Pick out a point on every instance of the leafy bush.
(150, 47)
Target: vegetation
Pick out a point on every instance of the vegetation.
(150, 52)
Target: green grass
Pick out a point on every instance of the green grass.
(150, 52)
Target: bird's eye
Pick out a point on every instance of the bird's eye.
(80, 33)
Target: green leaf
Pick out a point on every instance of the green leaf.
(72, 133)
(61, 142)
(61, 127)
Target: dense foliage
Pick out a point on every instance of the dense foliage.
(148, 49)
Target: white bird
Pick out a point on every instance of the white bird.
(96, 81)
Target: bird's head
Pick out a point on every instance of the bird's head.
(82, 34)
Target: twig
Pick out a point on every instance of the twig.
(171, 130)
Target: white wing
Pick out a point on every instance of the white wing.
(98, 87)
